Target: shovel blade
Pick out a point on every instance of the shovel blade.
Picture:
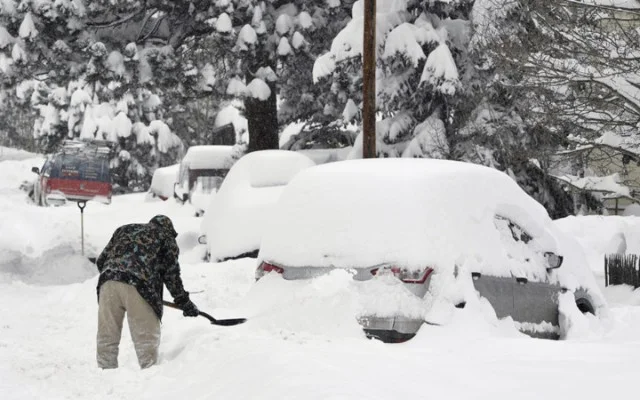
(229, 322)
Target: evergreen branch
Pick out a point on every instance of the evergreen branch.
(116, 22)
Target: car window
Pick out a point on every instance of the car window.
(517, 233)
(84, 167)
(521, 247)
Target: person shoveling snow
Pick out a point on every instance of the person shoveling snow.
(136, 263)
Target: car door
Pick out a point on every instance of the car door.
(497, 290)
(535, 300)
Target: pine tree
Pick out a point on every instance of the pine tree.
(436, 96)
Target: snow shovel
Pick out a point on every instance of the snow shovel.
(221, 322)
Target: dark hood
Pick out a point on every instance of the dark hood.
(165, 223)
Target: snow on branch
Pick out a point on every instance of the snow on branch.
(604, 184)
(440, 70)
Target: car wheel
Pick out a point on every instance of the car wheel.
(585, 306)
(583, 301)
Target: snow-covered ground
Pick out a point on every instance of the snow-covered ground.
(298, 343)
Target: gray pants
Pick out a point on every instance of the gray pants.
(115, 299)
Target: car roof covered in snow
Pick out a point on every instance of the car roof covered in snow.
(408, 212)
(208, 157)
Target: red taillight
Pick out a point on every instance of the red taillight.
(265, 268)
(404, 274)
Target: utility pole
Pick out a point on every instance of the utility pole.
(369, 80)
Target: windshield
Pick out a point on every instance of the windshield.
(81, 167)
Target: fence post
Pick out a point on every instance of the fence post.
(636, 267)
(606, 271)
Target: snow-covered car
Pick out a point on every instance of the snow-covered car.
(423, 238)
(234, 221)
(202, 170)
(163, 182)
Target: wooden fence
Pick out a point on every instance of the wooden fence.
(622, 269)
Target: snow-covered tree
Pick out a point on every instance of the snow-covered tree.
(421, 59)
(573, 68)
(436, 97)
(185, 52)
(300, 98)
(88, 71)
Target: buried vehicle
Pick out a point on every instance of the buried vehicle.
(163, 182)
(201, 172)
(434, 235)
(234, 222)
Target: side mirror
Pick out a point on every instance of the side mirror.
(35, 170)
(553, 260)
(202, 239)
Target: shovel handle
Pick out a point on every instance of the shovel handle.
(200, 313)
(221, 322)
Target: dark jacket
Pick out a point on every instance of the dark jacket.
(144, 256)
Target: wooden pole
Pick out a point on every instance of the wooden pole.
(369, 81)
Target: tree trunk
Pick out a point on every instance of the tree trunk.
(262, 119)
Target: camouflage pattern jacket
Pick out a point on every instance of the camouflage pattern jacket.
(144, 256)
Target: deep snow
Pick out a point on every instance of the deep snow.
(300, 342)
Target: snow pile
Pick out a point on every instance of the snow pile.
(8, 153)
(602, 235)
(61, 265)
(234, 221)
(325, 307)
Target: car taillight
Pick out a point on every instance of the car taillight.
(404, 274)
(265, 268)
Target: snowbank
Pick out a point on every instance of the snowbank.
(8, 153)
(601, 235)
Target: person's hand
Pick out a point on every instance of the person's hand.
(190, 310)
